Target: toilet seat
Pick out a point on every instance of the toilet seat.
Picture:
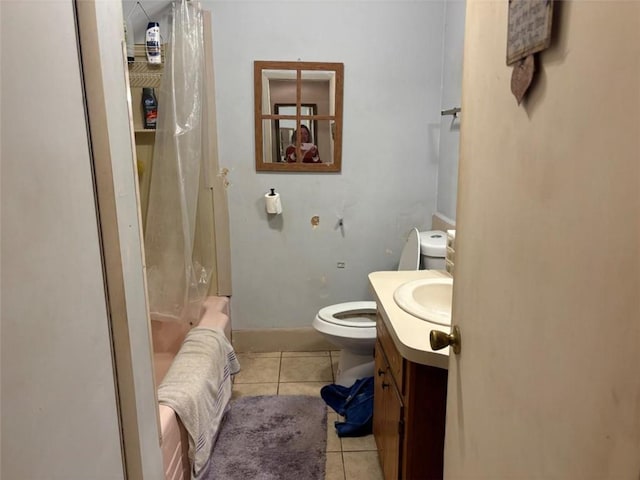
(349, 311)
(410, 255)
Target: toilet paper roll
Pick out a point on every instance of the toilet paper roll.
(273, 203)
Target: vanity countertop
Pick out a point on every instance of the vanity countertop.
(410, 334)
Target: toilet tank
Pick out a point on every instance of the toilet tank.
(433, 249)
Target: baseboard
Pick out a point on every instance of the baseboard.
(280, 340)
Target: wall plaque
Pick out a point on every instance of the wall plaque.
(529, 29)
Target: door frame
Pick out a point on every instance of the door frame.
(108, 104)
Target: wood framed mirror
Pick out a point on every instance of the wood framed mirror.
(298, 116)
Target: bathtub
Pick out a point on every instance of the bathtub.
(167, 339)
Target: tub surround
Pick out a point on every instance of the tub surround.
(410, 334)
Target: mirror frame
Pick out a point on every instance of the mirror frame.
(259, 68)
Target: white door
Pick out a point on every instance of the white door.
(547, 279)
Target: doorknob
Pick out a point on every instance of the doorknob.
(439, 340)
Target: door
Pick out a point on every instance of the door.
(547, 281)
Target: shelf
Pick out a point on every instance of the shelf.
(142, 73)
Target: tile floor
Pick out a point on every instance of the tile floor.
(304, 373)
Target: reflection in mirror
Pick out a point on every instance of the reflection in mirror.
(298, 116)
(285, 130)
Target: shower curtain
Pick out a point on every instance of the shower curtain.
(178, 256)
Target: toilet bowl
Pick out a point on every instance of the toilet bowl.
(351, 326)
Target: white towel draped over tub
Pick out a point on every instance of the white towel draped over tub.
(198, 388)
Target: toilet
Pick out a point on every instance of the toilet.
(351, 326)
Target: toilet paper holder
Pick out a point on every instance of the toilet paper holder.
(272, 202)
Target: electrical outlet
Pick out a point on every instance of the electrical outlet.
(340, 264)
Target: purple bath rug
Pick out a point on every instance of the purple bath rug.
(271, 438)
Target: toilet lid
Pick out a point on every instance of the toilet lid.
(350, 314)
(410, 257)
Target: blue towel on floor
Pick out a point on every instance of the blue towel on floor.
(354, 403)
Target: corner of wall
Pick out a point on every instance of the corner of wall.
(441, 222)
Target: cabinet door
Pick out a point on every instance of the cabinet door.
(387, 417)
(378, 400)
(393, 429)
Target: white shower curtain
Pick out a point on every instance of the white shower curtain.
(178, 277)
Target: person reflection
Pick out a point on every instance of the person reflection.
(309, 151)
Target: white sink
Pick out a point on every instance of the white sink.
(428, 299)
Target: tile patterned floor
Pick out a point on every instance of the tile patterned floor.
(304, 373)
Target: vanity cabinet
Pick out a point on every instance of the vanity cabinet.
(408, 414)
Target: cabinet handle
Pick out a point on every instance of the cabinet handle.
(385, 385)
(380, 372)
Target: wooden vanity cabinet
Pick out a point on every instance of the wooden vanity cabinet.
(408, 414)
(387, 417)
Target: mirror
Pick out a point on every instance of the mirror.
(298, 116)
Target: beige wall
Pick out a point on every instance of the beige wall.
(62, 401)
(59, 411)
(103, 67)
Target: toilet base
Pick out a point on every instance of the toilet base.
(353, 366)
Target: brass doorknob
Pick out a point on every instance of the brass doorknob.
(440, 340)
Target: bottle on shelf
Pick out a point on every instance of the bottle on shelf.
(150, 108)
(152, 43)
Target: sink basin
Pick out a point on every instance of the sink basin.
(428, 299)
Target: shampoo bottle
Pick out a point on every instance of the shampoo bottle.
(150, 108)
(152, 43)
